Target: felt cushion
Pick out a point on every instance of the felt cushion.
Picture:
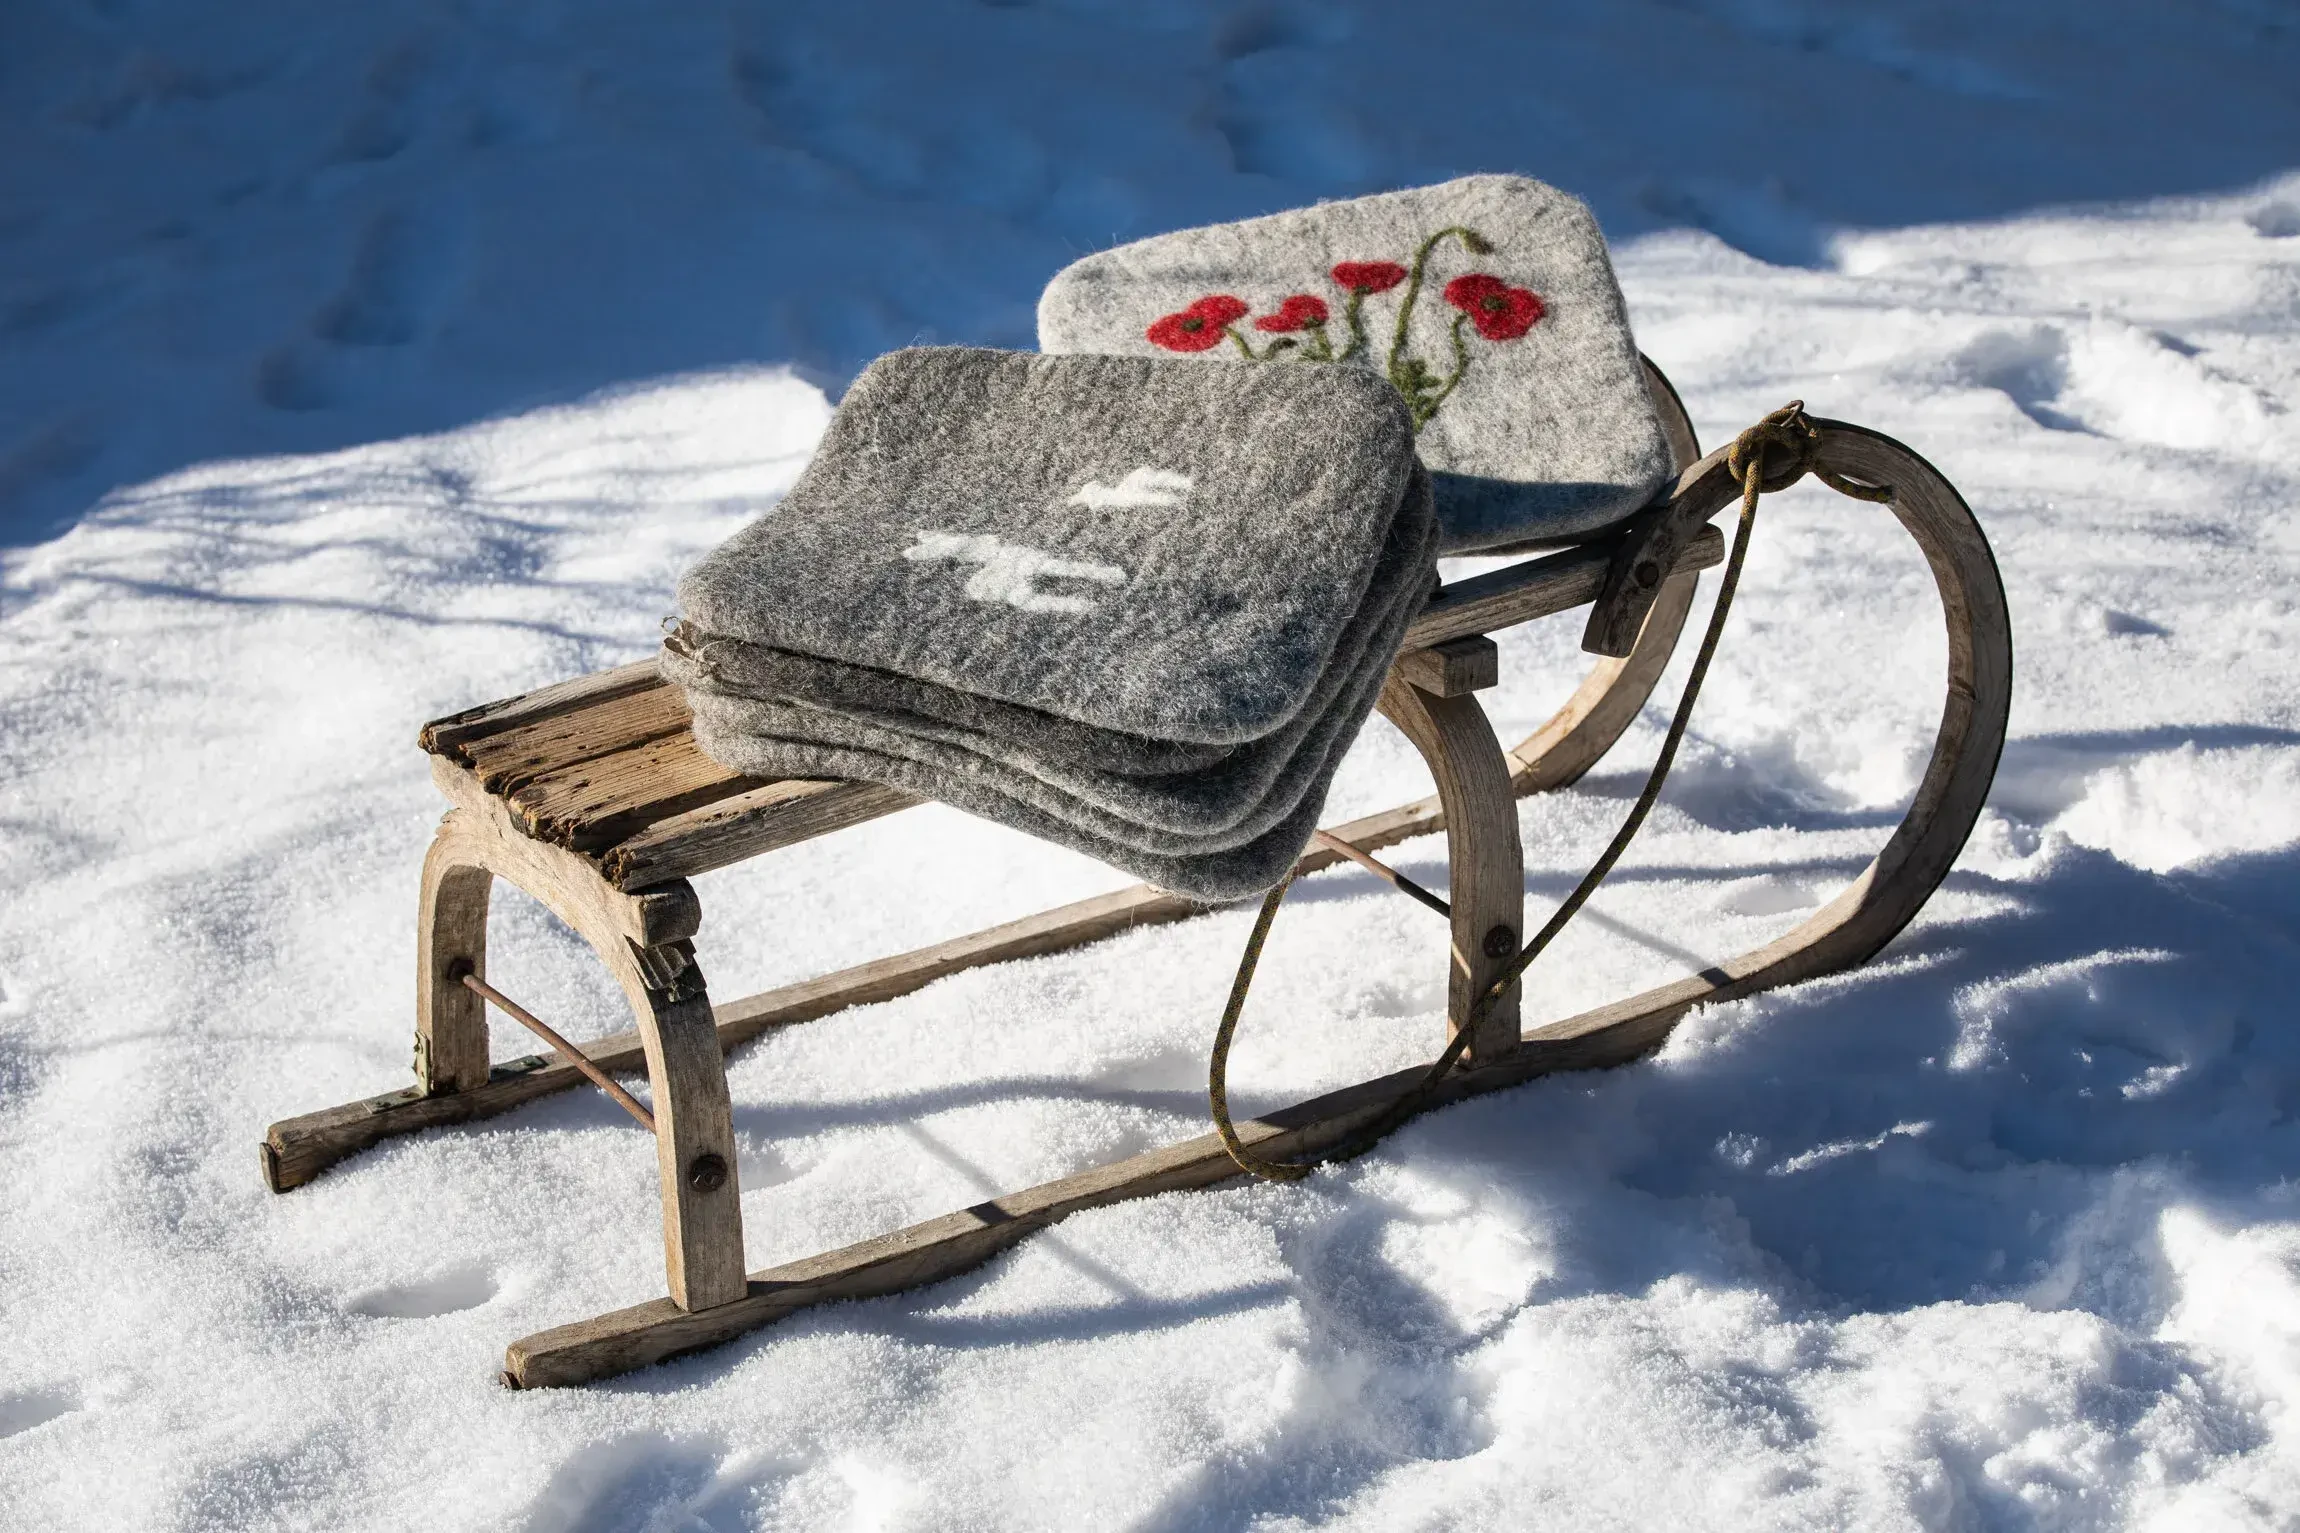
(1136, 544)
(1224, 804)
(1527, 396)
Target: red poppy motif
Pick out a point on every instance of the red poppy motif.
(1200, 327)
(1368, 276)
(1299, 312)
(1298, 326)
(1500, 312)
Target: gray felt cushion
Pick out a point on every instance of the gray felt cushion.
(1537, 428)
(1252, 789)
(1140, 545)
(1229, 874)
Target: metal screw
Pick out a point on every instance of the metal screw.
(707, 1173)
(1647, 574)
(1500, 942)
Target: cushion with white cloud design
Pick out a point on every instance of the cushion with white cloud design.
(1488, 302)
(1137, 607)
(1141, 545)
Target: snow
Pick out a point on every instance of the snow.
(404, 358)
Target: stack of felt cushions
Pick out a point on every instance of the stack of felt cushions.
(1136, 606)
(1137, 594)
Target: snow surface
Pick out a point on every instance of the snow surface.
(1999, 1232)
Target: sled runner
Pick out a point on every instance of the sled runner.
(593, 797)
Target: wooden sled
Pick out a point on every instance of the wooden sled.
(592, 796)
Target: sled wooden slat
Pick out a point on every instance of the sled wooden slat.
(1519, 593)
(444, 736)
(732, 830)
(593, 804)
(611, 771)
(510, 760)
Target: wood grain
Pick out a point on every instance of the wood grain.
(1485, 866)
(511, 759)
(450, 930)
(447, 736)
(595, 804)
(1519, 593)
(1455, 668)
(731, 830)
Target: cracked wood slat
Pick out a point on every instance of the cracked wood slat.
(511, 759)
(760, 819)
(447, 736)
(596, 803)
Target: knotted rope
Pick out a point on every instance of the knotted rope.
(1765, 459)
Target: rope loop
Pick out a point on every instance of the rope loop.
(1783, 448)
(1765, 459)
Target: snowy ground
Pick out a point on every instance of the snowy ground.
(1999, 1232)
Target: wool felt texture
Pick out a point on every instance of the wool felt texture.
(1516, 358)
(1210, 877)
(899, 702)
(1140, 545)
(1157, 602)
(1211, 792)
(1212, 809)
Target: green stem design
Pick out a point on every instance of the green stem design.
(1353, 312)
(1426, 409)
(1282, 343)
(1472, 241)
(1424, 392)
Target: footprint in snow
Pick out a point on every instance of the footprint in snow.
(35, 1408)
(446, 1293)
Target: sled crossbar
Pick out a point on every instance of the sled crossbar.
(592, 797)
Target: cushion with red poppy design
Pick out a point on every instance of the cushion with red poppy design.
(1489, 303)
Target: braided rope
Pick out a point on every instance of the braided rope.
(1767, 458)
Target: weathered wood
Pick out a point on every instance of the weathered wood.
(450, 933)
(1519, 593)
(1610, 697)
(513, 758)
(761, 819)
(1485, 867)
(1654, 547)
(1636, 581)
(594, 804)
(1455, 668)
(939, 1248)
(1847, 931)
(565, 881)
(298, 1149)
(694, 1129)
(448, 735)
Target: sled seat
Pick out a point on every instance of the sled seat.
(605, 765)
